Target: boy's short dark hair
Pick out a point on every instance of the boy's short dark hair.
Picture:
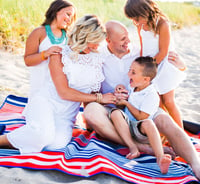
(149, 66)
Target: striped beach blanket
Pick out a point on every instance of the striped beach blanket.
(87, 155)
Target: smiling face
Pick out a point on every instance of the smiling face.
(135, 75)
(117, 38)
(64, 17)
(137, 79)
(91, 47)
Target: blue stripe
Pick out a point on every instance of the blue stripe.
(17, 100)
(14, 121)
(8, 152)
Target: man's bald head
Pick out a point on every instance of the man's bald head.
(117, 38)
(114, 27)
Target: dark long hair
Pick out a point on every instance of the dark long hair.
(55, 7)
(146, 9)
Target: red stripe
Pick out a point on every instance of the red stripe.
(115, 170)
(11, 108)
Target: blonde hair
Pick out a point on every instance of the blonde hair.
(87, 29)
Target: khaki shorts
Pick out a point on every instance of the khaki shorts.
(134, 126)
(159, 112)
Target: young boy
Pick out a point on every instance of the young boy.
(142, 104)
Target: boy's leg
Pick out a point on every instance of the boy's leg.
(122, 128)
(96, 116)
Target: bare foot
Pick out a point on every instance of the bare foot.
(170, 151)
(164, 163)
(134, 153)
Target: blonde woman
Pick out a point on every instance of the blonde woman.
(50, 113)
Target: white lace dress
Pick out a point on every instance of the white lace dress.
(49, 118)
(168, 76)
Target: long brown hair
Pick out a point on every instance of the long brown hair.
(55, 7)
(146, 9)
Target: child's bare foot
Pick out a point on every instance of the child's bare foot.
(170, 151)
(134, 153)
(164, 163)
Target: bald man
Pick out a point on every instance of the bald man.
(118, 58)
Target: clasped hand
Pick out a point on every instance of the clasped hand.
(121, 94)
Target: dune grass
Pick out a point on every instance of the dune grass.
(19, 17)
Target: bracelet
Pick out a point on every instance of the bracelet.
(99, 97)
(182, 69)
(42, 55)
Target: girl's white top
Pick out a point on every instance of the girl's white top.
(168, 76)
(38, 72)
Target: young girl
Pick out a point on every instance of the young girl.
(154, 32)
(48, 39)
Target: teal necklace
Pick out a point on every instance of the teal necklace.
(54, 39)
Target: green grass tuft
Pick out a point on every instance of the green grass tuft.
(19, 17)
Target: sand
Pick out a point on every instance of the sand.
(14, 79)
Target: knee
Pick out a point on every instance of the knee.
(115, 113)
(165, 123)
(147, 125)
(91, 111)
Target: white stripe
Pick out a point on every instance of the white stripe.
(16, 101)
(108, 164)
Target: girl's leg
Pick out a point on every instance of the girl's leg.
(123, 130)
(4, 142)
(169, 102)
(148, 127)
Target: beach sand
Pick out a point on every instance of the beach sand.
(14, 79)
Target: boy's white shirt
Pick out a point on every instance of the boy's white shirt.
(146, 100)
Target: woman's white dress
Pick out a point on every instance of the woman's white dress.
(49, 118)
(168, 77)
